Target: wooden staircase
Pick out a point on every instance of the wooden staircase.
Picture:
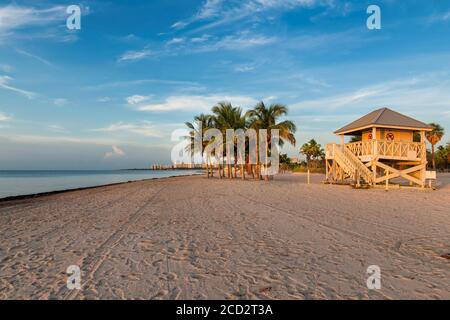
(353, 167)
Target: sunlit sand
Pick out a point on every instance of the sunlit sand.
(198, 238)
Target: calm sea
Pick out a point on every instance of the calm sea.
(15, 183)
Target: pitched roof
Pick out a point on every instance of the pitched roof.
(383, 117)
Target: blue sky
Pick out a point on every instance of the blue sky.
(109, 95)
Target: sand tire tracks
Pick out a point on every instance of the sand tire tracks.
(92, 263)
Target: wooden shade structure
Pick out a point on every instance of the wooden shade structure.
(386, 150)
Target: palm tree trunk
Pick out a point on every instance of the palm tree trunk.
(433, 159)
(258, 165)
(212, 168)
(266, 166)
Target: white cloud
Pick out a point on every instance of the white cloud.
(135, 55)
(14, 17)
(63, 139)
(4, 84)
(195, 103)
(428, 93)
(4, 117)
(179, 25)
(203, 38)
(104, 99)
(34, 56)
(6, 68)
(144, 129)
(60, 102)
(443, 17)
(236, 42)
(209, 9)
(136, 99)
(56, 127)
(175, 41)
(244, 68)
(219, 12)
(116, 152)
(142, 82)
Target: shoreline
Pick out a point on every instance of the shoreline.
(55, 192)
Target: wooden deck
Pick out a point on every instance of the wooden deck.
(381, 149)
(376, 161)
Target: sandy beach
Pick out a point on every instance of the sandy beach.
(198, 238)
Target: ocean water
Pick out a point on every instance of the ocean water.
(15, 183)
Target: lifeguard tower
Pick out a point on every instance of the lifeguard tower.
(391, 146)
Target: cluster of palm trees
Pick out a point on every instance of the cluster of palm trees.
(224, 116)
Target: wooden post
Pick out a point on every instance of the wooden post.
(423, 158)
(357, 178)
(386, 172)
(342, 142)
(308, 176)
(375, 154)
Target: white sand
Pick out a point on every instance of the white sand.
(193, 238)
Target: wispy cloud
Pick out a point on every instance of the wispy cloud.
(13, 17)
(4, 117)
(200, 39)
(135, 55)
(60, 102)
(244, 68)
(137, 99)
(408, 94)
(103, 99)
(175, 41)
(240, 41)
(145, 129)
(194, 103)
(34, 56)
(441, 17)
(56, 127)
(63, 139)
(219, 12)
(132, 83)
(4, 84)
(115, 153)
(6, 68)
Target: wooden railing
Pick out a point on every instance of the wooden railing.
(349, 162)
(396, 150)
(361, 148)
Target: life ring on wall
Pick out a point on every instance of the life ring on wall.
(370, 136)
(389, 136)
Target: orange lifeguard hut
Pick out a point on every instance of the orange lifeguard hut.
(387, 150)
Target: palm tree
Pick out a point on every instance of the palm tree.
(434, 136)
(261, 117)
(202, 123)
(355, 139)
(225, 116)
(312, 150)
